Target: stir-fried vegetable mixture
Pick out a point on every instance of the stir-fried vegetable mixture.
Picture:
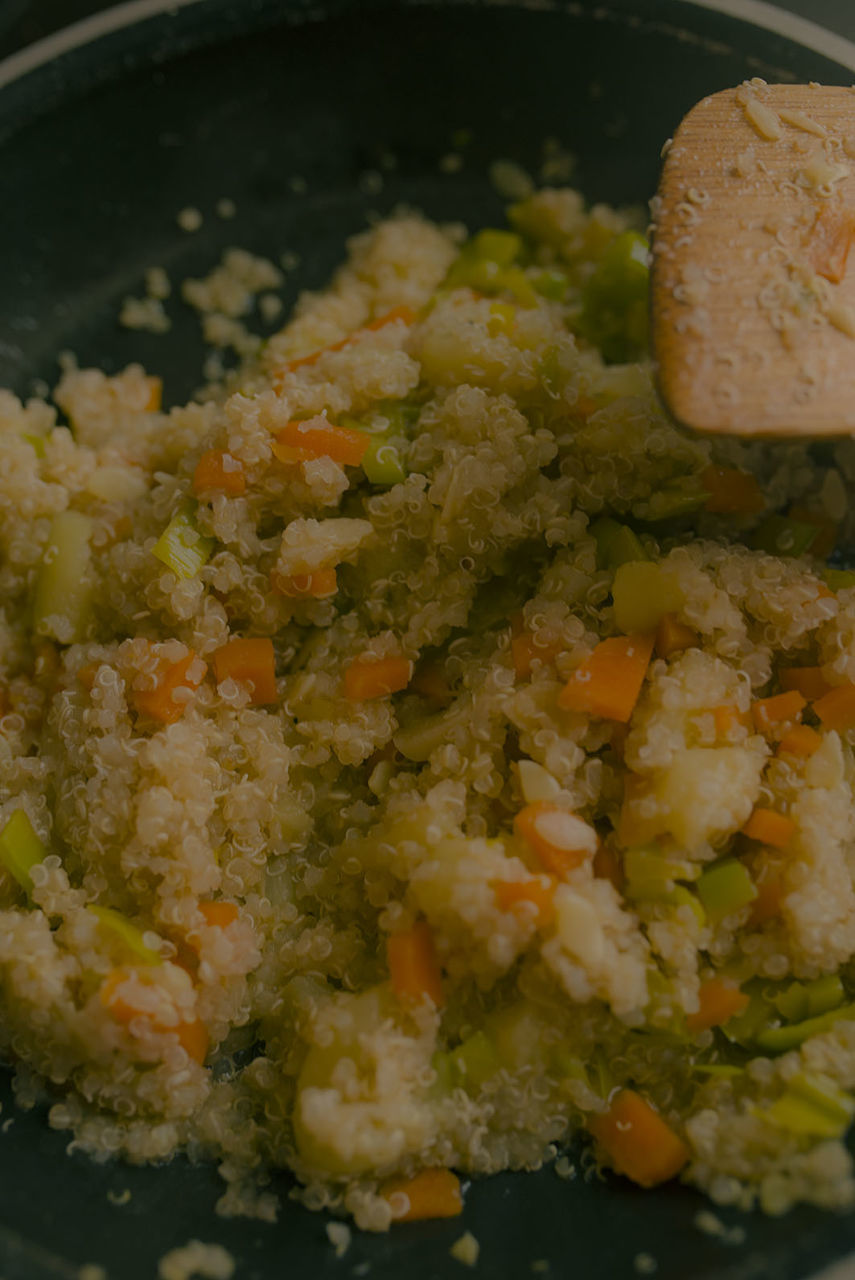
(423, 752)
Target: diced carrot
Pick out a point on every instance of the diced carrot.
(433, 1193)
(249, 661)
(220, 472)
(608, 866)
(827, 530)
(638, 1142)
(537, 891)
(159, 703)
(413, 965)
(155, 394)
(221, 914)
(768, 827)
(836, 709)
(430, 680)
(800, 740)
(299, 440)
(672, 636)
(780, 709)
(829, 240)
(402, 313)
(318, 585)
(808, 681)
(559, 840)
(193, 1038)
(769, 882)
(608, 682)
(726, 720)
(366, 678)
(525, 652)
(719, 1001)
(732, 492)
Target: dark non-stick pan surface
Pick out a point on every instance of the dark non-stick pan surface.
(239, 98)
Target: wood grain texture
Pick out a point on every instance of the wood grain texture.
(749, 337)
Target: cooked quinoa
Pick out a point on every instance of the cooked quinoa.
(331, 835)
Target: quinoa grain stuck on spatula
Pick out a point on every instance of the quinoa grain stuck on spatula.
(753, 309)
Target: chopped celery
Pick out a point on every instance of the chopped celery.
(651, 875)
(181, 547)
(682, 897)
(725, 888)
(515, 282)
(445, 1076)
(614, 300)
(20, 848)
(718, 1070)
(743, 1028)
(475, 1060)
(780, 1039)
(673, 500)
(812, 1105)
(617, 544)
(62, 597)
(568, 1066)
(37, 443)
(783, 536)
(802, 1000)
(551, 284)
(383, 461)
(504, 247)
(839, 579)
(642, 592)
(129, 934)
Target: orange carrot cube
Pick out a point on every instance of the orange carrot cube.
(432, 1193)
(367, 678)
(249, 661)
(219, 472)
(637, 1142)
(768, 827)
(413, 965)
(608, 682)
(559, 840)
(719, 1001)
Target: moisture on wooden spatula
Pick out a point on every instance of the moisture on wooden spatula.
(752, 306)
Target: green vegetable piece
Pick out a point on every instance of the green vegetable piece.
(475, 1060)
(568, 1066)
(36, 442)
(514, 281)
(812, 1105)
(780, 1039)
(839, 579)
(743, 1028)
(383, 462)
(675, 500)
(480, 274)
(126, 932)
(614, 299)
(181, 547)
(651, 875)
(682, 897)
(20, 848)
(446, 1079)
(551, 284)
(725, 888)
(718, 1070)
(781, 536)
(617, 544)
(809, 999)
(62, 596)
(504, 247)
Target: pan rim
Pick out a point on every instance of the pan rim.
(758, 13)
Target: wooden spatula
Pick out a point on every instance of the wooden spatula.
(753, 309)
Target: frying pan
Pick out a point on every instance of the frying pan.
(148, 110)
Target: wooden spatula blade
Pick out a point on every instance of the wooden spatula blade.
(752, 296)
